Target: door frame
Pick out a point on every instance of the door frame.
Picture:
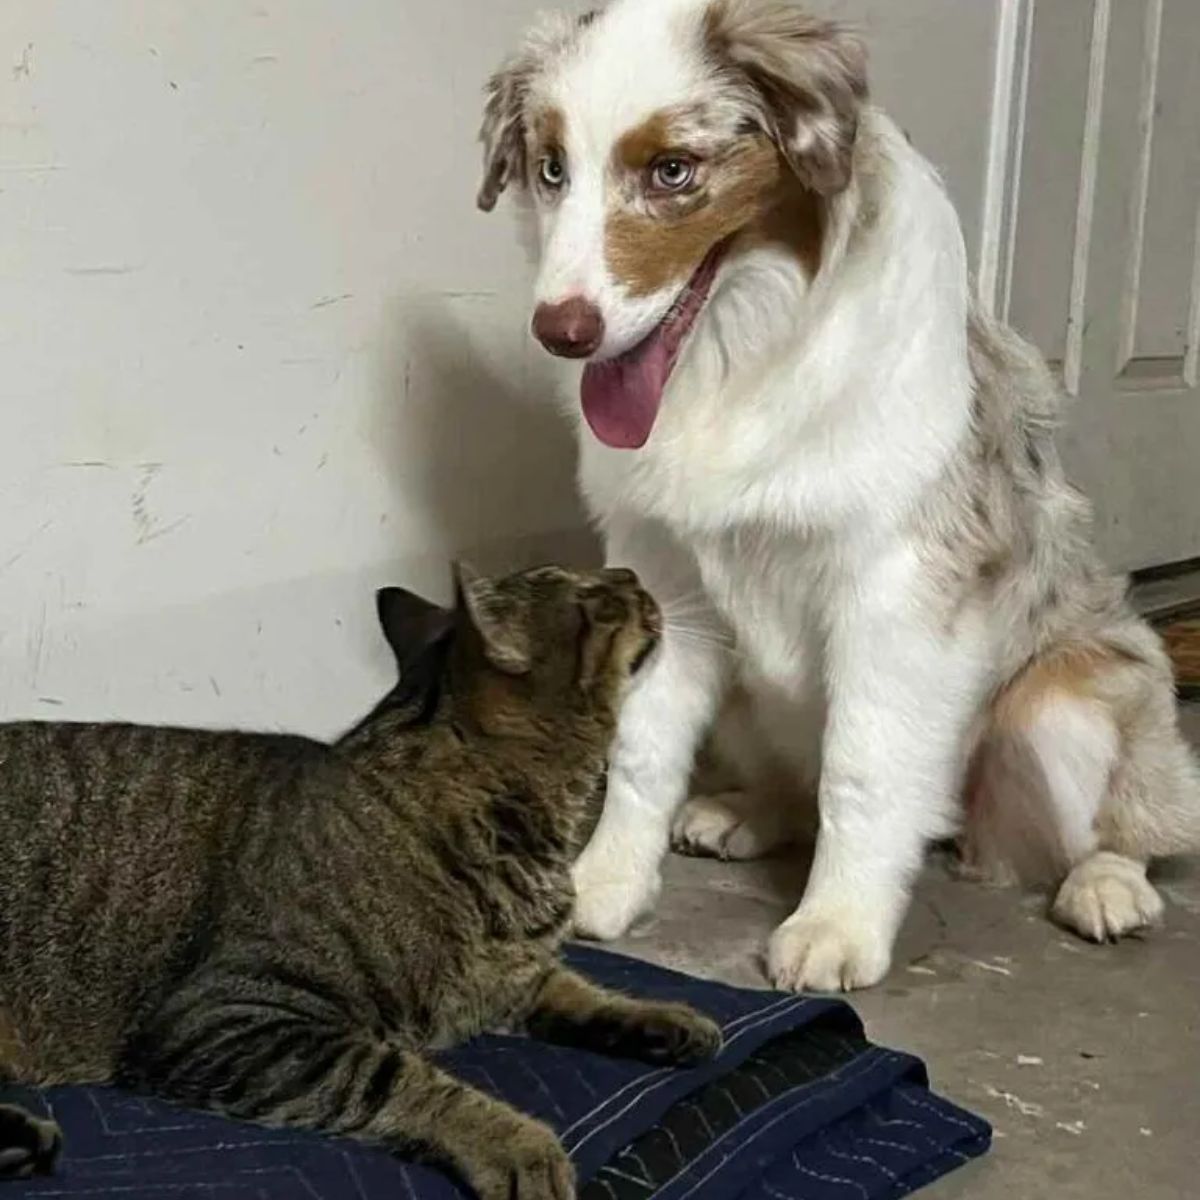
(1006, 136)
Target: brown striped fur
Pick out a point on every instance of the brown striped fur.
(278, 930)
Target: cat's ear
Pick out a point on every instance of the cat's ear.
(505, 643)
(411, 625)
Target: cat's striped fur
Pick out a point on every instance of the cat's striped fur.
(277, 930)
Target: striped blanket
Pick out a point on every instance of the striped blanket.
(799, 1106)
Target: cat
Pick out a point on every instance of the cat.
(278, 930)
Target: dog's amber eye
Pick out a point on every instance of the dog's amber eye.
(673, 173)
(552, 171)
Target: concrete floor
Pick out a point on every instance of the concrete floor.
(1085, 1058)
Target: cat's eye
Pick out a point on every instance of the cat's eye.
(672, 173)
(601, 607)
(552, 171)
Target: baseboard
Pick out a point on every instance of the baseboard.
(1171, 570)
(1167, 592)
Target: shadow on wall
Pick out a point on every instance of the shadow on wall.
(477, 462)
(473, 439)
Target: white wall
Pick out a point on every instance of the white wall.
(258, 353)
(932, 66)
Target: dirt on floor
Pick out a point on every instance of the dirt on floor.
(1085, 1058)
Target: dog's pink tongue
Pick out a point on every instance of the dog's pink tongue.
(621, 395)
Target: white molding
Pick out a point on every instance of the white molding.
(1006, 136)
(1086, 206)
(1191, 355)
(1148, 89)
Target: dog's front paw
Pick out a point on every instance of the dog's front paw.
(609, 899)
(828, 951)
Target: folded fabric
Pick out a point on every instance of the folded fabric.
(798, 1106)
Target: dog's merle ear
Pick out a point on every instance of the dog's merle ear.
(503, 130)
(413, 626)
(506, 97)
(806, 79)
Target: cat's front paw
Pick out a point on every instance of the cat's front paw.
(28, 1144)
(609, 897)
(675, 1034)
(524, 1161)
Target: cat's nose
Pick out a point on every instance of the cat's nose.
(570, 328)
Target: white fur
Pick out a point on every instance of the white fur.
(789, 499)
(783, 504)
(602, 95)
(806, 423)
(1107, 896)
(1075, 745)
(732, 825)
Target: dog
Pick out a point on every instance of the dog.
(838, 476)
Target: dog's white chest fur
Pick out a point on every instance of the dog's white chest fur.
(846, 497)
(770, 592)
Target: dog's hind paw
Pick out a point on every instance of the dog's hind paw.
(728, 826)
(1106, 897)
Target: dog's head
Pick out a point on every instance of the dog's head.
(657, 139)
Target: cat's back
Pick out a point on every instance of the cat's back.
(112, 834)
(67, 781)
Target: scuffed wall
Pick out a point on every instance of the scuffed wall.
(258, 352)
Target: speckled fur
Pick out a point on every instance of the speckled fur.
(851, 480)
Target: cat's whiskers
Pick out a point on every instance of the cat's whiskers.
(706, 637)
(694, 600)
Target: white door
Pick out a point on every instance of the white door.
(1102, 267)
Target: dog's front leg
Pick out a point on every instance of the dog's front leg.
(670, 705)
(903, 688)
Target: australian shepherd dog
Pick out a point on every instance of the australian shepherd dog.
(838, 475)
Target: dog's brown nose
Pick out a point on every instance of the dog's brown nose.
(572, 328)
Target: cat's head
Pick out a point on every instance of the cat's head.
(524, 652)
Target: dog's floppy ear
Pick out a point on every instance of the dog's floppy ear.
(806, 78)
(503, 130)
(506, 97)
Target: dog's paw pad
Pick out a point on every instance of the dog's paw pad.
(605, 908)
(725, 826)
(1106, 897)
(827, 953)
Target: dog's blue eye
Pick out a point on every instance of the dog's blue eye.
(672, 174)
(552, 171)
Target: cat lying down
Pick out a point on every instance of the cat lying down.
(278, 930)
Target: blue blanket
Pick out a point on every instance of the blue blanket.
(798, 1105)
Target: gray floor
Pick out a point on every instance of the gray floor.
(1085, 1058)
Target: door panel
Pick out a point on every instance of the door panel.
(1106, 257)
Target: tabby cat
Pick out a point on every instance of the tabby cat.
(278, 930)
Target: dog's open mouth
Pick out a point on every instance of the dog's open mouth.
(621, 395)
